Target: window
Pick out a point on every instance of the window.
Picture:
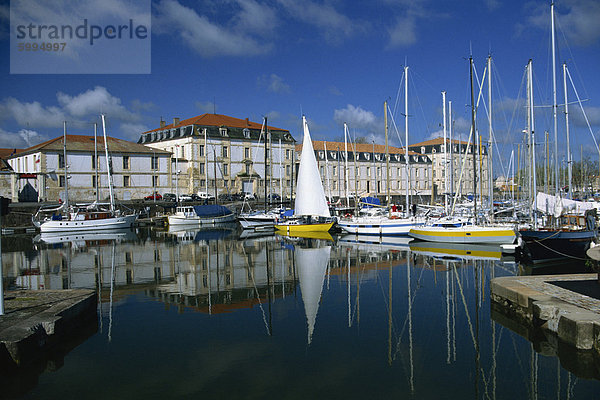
(93, 162)
(224, 151)
(182, 152)
(125, 162)
(61, 181)
(322, 171)
(378, 171)
(223, 131)
(128, 257)
(94, 185)
(225, 169)
(126, 180)
(201, 169)
(154, 162)
(287, 169)
(201, 150)
(334, 170)
(247, 169)
(247, 133)
(287, 154)
(61, 161)
(246, 152)
(154, 181)
(357, 171)
(368, 171)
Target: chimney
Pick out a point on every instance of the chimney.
(247, 122)
(162, 122)
(175, 121)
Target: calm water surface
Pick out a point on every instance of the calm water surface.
(211, 314)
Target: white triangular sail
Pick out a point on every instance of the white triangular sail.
(311, 265)
(310, 196)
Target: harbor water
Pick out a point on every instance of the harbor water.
(217, 314)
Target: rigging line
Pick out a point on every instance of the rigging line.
(400, 91)
(572, 57)
(428, 131)
(582, 110)
(255, 288)
(396, 129)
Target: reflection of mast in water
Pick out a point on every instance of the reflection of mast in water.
(112, 285)
(348, 287)
(209, 278)
(251, 275)
(533, 373)
(270, 326)
(410, 339)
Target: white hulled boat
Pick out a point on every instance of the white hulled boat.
(202, 215)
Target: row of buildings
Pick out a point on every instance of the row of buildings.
(222, 154)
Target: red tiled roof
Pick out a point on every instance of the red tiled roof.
(216, 120)
(360, 147)
(86, 143)
(5, 153)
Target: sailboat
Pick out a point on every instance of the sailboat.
(89, 217)
(311, 264)
(386, 225)
(464, 230)
(565, 235)
(311, 213)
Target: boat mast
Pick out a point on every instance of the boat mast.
(451, 169)
(569, 160)
(532, 127)
(206, 161)
(346, 184)
(554, 105)
(327, 171)
(473, 148)
(490, 142)
(96, 161)
(65, 165)
(406, 139)
(445, 153)
(108, 166)
(264, 131)
(387, 157)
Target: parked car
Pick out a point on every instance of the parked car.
(205, 196)
(154, 196)
(185, 197)
(169, 197)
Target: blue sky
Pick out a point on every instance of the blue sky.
(333, 60)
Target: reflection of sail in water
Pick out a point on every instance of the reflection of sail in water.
(311, 265)
(112, 284)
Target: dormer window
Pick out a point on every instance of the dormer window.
(247, 133)
(422, 149)
(223, 131)
(367, 156)
(321, 154)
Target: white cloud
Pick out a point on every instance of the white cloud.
(206, 106)
(274, 83)
(32, 114)
(334, 25)
(403, 33)
(205, 37)
(94, 102)
(255, 18)
(131, 131)
(21, 139)
(577, 19)
(358, 118)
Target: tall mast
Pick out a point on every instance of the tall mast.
(569, 161)
(474, 131)
(532, 127)
(387, 157)
(65, 163)
(206, 161)
(108, 166)
(445, 153)
(346, 184)
(264, 131)
(529, 157)
(96, 161)
(490, 142)
(327, 171)
(406, 158)
(554, 105)
(451, 169)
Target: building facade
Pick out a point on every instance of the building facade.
(448, 161)
(220, 154)
(137, 170)
(364, 171)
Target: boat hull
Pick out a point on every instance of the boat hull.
(88, 225)
(464, 234)
(547, 245)
(292, 229)
(200, 221)
(380, 226)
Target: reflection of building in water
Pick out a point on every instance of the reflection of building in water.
(221, 276)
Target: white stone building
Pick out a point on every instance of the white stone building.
(220, 154)
(137, 170)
